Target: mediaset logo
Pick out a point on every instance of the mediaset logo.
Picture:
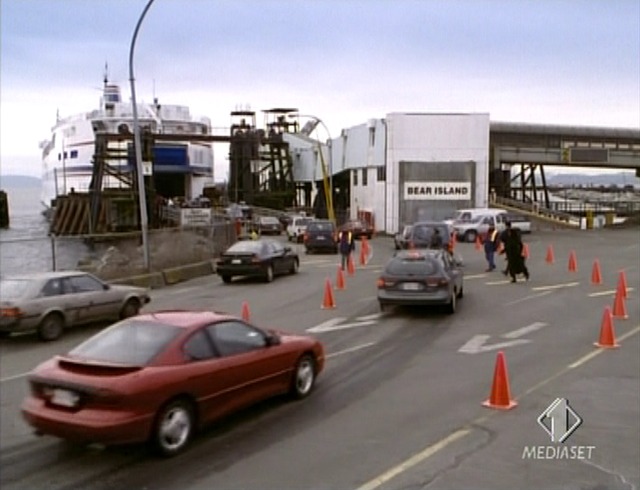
(559, 420)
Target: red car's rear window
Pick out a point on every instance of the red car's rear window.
(131, 342)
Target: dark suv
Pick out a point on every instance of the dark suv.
(321, 235)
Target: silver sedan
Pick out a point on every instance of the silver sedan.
(51, 301)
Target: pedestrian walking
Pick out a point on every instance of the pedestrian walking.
(490, 247)
(513, 249)
(346, 245)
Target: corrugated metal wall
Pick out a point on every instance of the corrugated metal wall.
(435, 207)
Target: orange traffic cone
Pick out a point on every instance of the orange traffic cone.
(365, 245)
(550, 259)
(454, 240)
(573, 262)
(351, 267)
(328, 301)
(363, 256)
(246, 313)
(622, 284)
(478, 244)
(619, 307)
(340, 279)
(500, 396)
(596, 276)
(525, 250)
(607, 335)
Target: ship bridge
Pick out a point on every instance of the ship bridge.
(532, 147)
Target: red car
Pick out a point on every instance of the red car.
(160, 376)
(358, 228)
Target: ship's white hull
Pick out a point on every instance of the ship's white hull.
(179, 170)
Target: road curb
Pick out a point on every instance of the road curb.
(175, 275)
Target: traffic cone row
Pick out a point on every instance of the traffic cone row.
(573, 262)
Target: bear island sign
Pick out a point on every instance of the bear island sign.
(423, 191)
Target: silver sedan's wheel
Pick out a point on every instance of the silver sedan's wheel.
(174, 427)
(51, 327)
(131, 308)
(268, 274)
(304, 377)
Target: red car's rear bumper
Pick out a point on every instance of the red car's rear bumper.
(109, 426)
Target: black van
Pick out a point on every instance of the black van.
(321, 235)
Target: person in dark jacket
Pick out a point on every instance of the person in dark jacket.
(513, 250)
(490, 247)
(346, 246)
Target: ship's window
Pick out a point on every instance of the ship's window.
(365, 180)
(355, 178)
(73, 154)
(382, 174)
(59, 157)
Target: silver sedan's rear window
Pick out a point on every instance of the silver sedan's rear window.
(13, 288)
(406, 266)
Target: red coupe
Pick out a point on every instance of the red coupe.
(160, 376)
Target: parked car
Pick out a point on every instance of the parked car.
(358, 228)
(297, 228)
(422, 231)
(264, 258)
(267, 225)
(321, 235)
(401, 240)
(519, 221)
(469, 231)
(421, 277)
(470, 214)
(49, 302)
(161, 376)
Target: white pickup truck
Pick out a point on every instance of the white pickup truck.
(297, 228)
(469, 230)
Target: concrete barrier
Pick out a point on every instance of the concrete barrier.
(186, 272)
(154, 280)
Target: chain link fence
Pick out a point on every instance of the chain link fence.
(113, 256)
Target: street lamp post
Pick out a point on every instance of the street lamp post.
(329, 198)
(142, 198)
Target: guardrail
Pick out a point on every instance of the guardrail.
(536, 211)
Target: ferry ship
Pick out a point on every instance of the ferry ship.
(180, 169)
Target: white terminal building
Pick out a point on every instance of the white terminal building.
(404, 168)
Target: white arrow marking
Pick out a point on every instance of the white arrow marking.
(477, 344)
(375, 316)
(524, 330)
(334, 324)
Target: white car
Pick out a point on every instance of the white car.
(297, 228)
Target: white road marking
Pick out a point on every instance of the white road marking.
(375, 316)
(413, 460)
(475, 276)
(527, 298)
(556, 286)
(330, 327)
(477, 344)
(349, 350)
(11, 378)
(609, 292)
(495, 283)
(524, 330)
(325, 326)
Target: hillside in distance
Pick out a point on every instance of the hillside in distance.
(19, 182)
(619, 179)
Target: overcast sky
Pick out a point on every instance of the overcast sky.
(571, 62)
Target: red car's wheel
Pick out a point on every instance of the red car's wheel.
(304, 377)
(174, 427)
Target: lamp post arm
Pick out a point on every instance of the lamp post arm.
(142, 199)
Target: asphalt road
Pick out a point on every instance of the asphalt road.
(399, 405)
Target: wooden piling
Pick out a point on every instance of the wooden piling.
(4, 210)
